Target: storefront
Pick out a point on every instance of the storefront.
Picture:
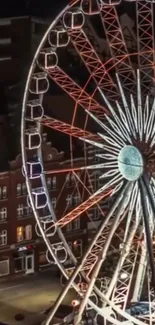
(24, 260)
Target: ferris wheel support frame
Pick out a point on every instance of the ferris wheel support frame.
(84, 100)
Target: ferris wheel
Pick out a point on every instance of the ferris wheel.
(113, 96)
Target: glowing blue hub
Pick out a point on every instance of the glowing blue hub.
(130, 163)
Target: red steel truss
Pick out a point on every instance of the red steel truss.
(79, 95)
(81, 208)
(93, 63)
(145, 43)
(117, 46)
(68, 129)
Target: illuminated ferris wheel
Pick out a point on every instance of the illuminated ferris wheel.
(115, 97)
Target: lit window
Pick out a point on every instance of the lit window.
(4, 192)
(28, 232)
(54, 202)
(19, 189)
(3, 237)
(20, 234)
(69, 200)
(3, 214)
(20, 210)
(24, 189)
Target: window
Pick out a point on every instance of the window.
(49, 183)
(70, 180)
(20, 233)
(3, 214)
(19, 189)
(76, 224)
(19, 264)
(20, 211)
(4, 267)
(27, 211)
(4, 192)
(54, 202)
(24, 189)
(28, 232)
(3, 237)
(69, 200)
(76, 198)
(69, 227)
(54, 182)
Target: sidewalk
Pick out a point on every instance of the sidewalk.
(30, 296)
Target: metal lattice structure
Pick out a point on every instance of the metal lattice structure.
(116, 98)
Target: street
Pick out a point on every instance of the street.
(30, 296)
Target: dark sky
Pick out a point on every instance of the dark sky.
(31, 7)
(44, 8)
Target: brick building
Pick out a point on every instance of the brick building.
(22, 251)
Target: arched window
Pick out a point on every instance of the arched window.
(28, 232)
(24, 189)
(19, 189)
(54, 182)
(20, 210)
(69, 200)
(54, 202)
(68, 180)
(3, 214)
(49, 183)
(4, 192)
(3, 237)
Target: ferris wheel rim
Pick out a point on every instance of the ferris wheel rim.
(60, 14)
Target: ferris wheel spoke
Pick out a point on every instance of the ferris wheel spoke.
(75, 91)
(145, 43)
(150, 125)
(115, 135)
(93, 62)
(68, 128)
(126, 107)
(117, 46)
(121, 291)
(119, 286)
(84, 206)
(147, 227)
(102, 255)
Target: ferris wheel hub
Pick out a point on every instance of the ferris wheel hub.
(130, 163)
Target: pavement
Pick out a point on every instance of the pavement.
(30, 296)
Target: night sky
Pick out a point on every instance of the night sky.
(40, 8)
(46, 8)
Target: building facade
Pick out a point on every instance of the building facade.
(22, 250)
